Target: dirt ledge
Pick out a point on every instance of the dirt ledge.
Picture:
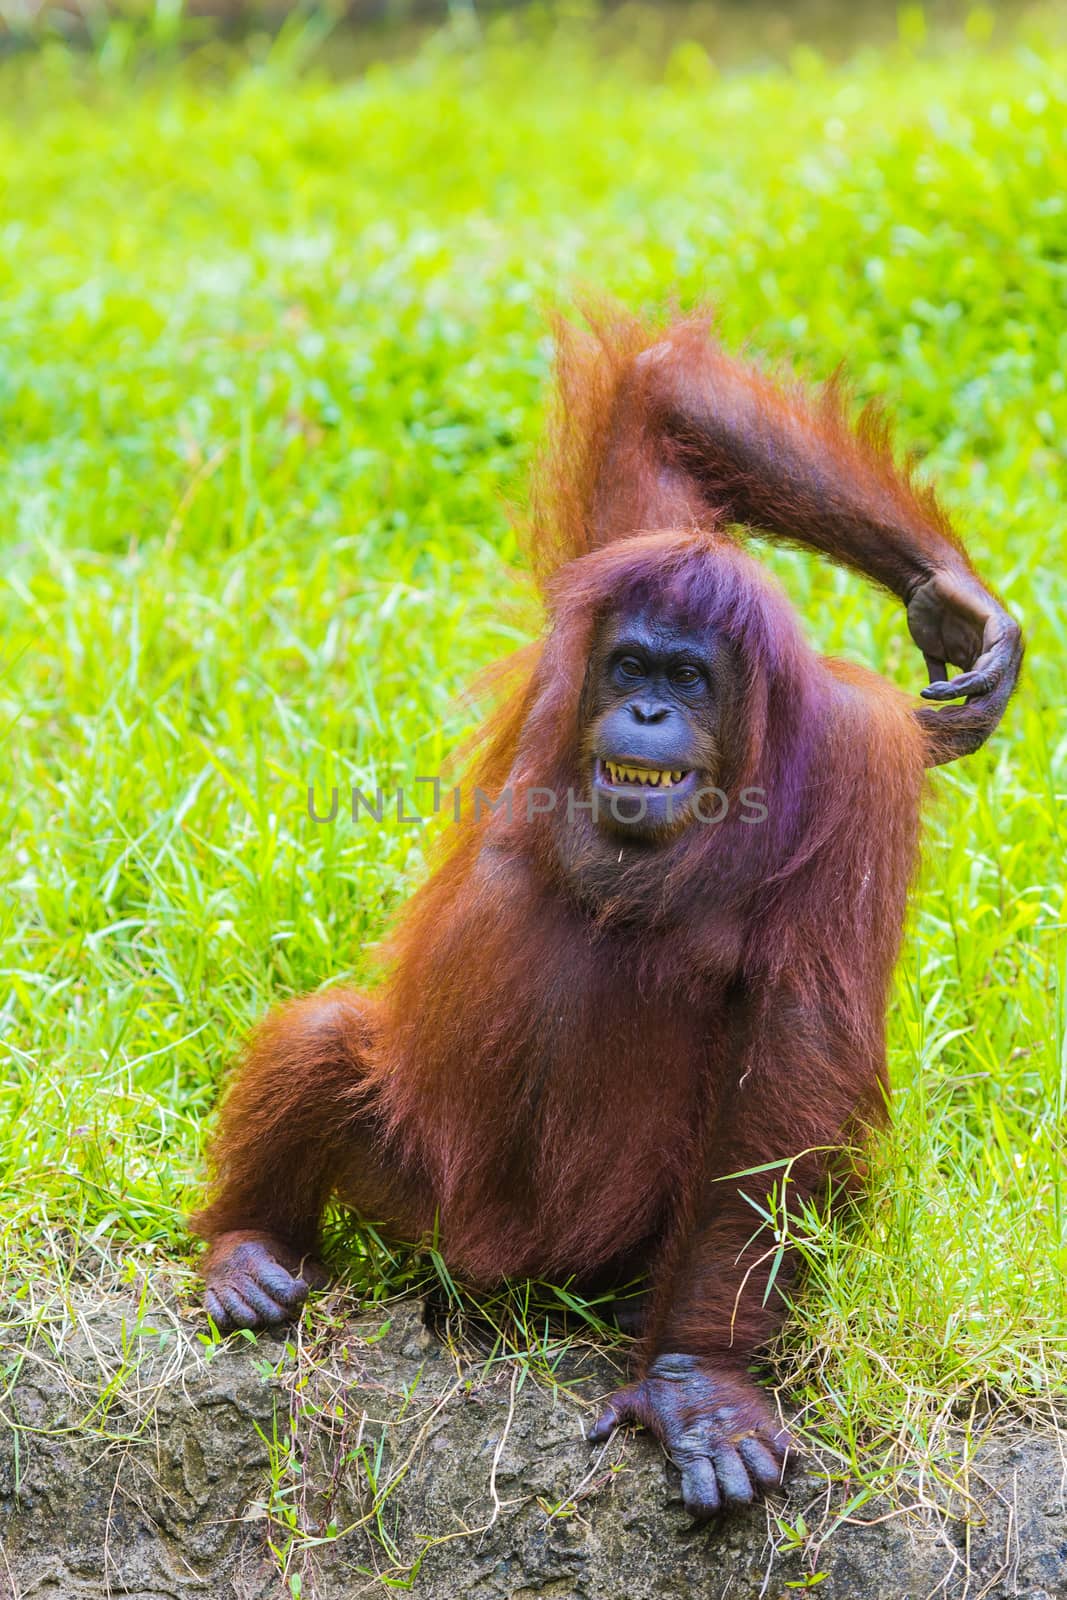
(135, 1462)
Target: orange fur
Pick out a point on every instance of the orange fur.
(568, 1053)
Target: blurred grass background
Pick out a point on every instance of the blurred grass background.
(272, 356)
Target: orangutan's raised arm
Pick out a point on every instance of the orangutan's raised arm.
(791, 464)
(688, 433)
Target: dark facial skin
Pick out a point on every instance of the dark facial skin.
(655, 701)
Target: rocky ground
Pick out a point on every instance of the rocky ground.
(138, 1461)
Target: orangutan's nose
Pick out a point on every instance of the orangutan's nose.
(647, 711)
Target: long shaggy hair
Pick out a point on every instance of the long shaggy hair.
(575, 1042)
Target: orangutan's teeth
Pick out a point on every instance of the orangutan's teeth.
(647, 777)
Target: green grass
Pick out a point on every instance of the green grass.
(272, 356)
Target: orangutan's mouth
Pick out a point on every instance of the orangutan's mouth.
(622, 775)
